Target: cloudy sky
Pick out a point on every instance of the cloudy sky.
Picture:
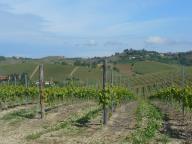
(37, 28)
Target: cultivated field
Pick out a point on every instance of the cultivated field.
(151, 106)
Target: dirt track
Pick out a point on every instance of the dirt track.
(121, 124)
(16, 133)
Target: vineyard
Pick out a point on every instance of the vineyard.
(118, 109)
(95, 72)
(12, 96)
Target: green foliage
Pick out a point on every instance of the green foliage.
(10, 95)
(149, 120)
(176, 94)
(114, 94)
(2, 58)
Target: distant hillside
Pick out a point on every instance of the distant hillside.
(56, 72)
(186, 58)
(148, 67)
(127, 56)
(127, 63)
(132, 56)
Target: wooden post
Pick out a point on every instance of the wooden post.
(120, 80)
(26, 81)
(112, 100)
(112, 76)
(26, 86)
(15, 80)
(137, 91)
(105, 115)
(143, 91)
(41, 86)
(8, 80)
(183, 86)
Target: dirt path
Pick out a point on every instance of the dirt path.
(178, 130)
(73, 71)
(16, 133)
(121, 124)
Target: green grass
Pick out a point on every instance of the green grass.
(149, 120)
(146, 67)
(56, 72)
(86, 73)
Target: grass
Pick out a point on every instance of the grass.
(86, 73)
(149, 120)
(146, 67)
(86, 118)
(55, 72)
(18, 116)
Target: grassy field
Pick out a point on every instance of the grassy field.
(55, 72)
(59, 72)
(146, 67)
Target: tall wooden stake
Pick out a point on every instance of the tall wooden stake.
(41, 86)
(183, 85)
(26, 86)
(8, 80)
(105, 115)
(15, 80)
(112, 100)
(26, 81)
(143, 91)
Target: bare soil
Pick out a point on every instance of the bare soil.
(178, 129)
(16, 133)
(120, 125)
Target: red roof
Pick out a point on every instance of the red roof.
(4, 78)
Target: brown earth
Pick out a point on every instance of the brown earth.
(16, 133)
(178, 129)
(120, 125)
(125, 69)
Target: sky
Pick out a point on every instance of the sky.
(87, 28)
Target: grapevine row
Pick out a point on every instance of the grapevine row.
(10, 95)
(180, 95)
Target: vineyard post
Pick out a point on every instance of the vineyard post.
(137, 91)
(26, 86)
(112, 76)
(172, 80)
(149, 90)
(8, 80)
(119, 79)
(15, 79)
(105, 115)
(183, 86)
(143, 91)
(112, 100)
(26, 81)
(41, 86)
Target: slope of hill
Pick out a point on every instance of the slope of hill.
(128, 63)
(56, 72)
(145, 67)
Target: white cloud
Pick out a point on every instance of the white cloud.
(157, 40)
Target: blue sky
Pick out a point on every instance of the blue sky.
(37, 28)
